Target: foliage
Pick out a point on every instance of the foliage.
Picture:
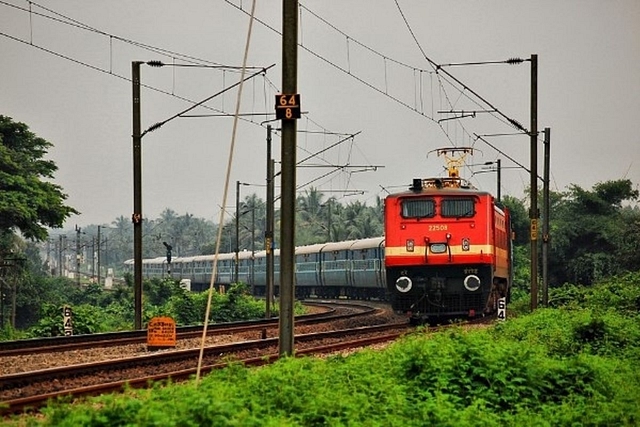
(568, 332)
(99, 310)
(519, 219)
(29, 202)
(330, 221)
(618, 293)
(9, 333)
(87, 319)
(590, 231)
(514, 374)
(35, 291)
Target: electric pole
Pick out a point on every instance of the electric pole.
(288, 178)
(136, 218)
(77, 255)
(533, 211)
(268, 229)
(545, 218)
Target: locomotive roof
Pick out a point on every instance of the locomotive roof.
(453, 191)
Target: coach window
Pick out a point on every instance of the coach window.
(457, 208)
(418, 208)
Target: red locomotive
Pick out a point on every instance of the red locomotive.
(447, 247)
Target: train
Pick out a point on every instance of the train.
(350, 269)
(448, 248)
(446, 253)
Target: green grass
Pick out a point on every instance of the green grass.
(564, 366)
(514, 374)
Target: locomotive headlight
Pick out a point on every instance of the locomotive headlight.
(403, 284)
(438, 248)
(471, 282)
(466, 244)
(410, 245)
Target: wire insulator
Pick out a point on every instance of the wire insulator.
(517, 124)
(513, 61)
(155, 126)
(155, 63)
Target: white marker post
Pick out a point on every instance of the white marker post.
(67, 322)
(502, 308)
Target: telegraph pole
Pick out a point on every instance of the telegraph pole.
(268, 229)
(237, 248)
(77, 255)
(533, 211)
(285, 107)
(499, 172)
(545, 219)
(136, 218)
(60, 256)
(99, 244)
(93, 258)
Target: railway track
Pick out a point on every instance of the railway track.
(33, 389)
(332, 311)
(21, 390)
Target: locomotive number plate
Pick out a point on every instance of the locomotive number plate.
(438, 227)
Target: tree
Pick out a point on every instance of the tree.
(28, 202)
(591, 232)
(519, 219)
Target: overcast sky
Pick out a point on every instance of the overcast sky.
(364, 70)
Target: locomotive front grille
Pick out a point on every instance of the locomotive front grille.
(440, 293)
(428, 304)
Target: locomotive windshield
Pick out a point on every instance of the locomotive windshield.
(418, 208)
(457, 208)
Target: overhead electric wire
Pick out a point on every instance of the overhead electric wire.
(440, 75)
(75, 23)
(438, 71)
(338, 67)
(237, 114)
(364, 46)
(438, 68)
(110, 73)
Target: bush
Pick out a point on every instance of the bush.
(566, 332)
(457, 378)
(86, 319)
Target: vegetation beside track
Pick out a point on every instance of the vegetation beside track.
(573, 364)
(97, 310)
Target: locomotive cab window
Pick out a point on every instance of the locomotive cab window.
(418, 208)
(457, 208)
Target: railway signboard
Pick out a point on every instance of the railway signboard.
(287, 106)
(534, 229)
(161, 333)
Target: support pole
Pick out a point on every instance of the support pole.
(268, 230)
(98, 249)
(60, 256)
(77, 256)
(499, 171)
(93, 258)
(533, 210)
(136, 218)
(545, 219)
(253, 247)
(288, 179)
(237, 248)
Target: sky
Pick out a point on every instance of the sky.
(374, 106)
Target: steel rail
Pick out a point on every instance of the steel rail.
(17, 405)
